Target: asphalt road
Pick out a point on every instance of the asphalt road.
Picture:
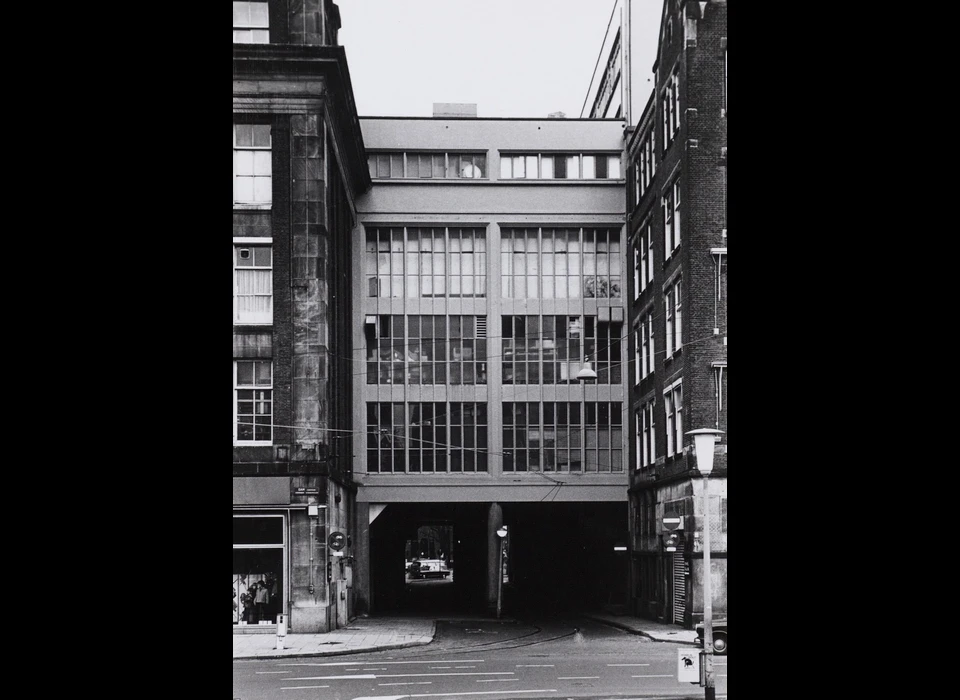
(486, 660)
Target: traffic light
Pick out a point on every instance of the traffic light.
(671, 540)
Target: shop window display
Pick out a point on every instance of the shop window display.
(257, 569)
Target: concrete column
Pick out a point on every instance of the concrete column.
(494, 521)
(361, 567)
(310, 378)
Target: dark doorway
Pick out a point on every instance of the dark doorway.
(563, 557)
(429, 559)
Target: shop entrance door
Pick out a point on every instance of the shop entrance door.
(259, 562)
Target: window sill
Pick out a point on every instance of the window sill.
(256, 324)
(241, 206)
(561, 181)
(488, 181)
(253, 443)
(429, 180)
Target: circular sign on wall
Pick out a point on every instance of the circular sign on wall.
(671, 520)
(337, 541)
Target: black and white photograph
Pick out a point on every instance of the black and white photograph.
(479, 378)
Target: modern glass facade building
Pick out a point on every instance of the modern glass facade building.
(493, 266)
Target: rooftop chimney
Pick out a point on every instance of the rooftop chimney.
(454, 109)
(557, 115)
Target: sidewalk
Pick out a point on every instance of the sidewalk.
(361, 634)
(654, 630)
(378, 633)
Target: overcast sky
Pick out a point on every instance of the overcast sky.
(513, 58)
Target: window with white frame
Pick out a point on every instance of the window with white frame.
(670, 109)
(671, 219)
(563, 436)
(427, 437)
(649, 276)
(646, 344)
(251, 23)
(637, 175)
(638, 436)
(672, 311)
(649, 160)
(420, 262)
(253, 402)
(673, 410)
(252, 283)
(637, 242)
(645, 165)
(429, 165)
(562, 263)
(637, 358)
(675, 113)
(252, 169)
(648, 444)
(557, 166)
(645, 245)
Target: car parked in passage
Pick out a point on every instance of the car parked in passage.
(719, 636)
(429, 568)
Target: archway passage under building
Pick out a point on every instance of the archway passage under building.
(558, 558)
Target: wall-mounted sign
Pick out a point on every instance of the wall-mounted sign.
(337, 541)
(307, 491)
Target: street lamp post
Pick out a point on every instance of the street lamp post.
(502, 534)
(704, 440)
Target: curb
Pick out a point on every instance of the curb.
(641, 633)
(343, 652)
(334, 652)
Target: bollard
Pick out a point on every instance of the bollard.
(281, 630)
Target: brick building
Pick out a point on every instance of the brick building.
(677, 238)
(298, 166)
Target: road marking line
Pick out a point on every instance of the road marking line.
(364, 677)
(354, 663)
(409, 683)
(499, 680)
(465, 673)
(298, 687)
(471, 692)
(464, 666)
(628, 664)
(577, 678)
(273, 672)
(371, 676)
(441, 666)
(534, 665)
(666, 675)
